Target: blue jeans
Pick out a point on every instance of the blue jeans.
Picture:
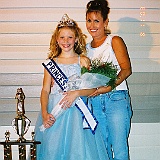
(113, 112)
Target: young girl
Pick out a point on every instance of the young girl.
(64, 137)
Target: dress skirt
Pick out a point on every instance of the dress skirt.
(66, 139)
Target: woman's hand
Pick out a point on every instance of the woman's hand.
(48, 120)
(70, 97)
(101, 90)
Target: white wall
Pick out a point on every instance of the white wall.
(25, 31)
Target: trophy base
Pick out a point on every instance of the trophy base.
(21, 139)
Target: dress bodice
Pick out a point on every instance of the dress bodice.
(69, 70)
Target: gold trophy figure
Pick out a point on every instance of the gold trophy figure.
(20, 123)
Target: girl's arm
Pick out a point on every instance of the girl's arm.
(71, 96)
(48, 119)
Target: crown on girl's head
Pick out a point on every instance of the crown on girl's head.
(65, 21)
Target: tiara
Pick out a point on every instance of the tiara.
(65, 21)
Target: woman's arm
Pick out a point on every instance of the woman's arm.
(48, 119)
(123, 59)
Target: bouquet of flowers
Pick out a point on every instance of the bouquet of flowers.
(99, 74)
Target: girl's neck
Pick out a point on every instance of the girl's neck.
(96, 42)
(67, 59)
(68, 55)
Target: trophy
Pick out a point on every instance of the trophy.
(20, 123)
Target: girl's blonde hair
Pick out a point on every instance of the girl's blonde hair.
(79, 47)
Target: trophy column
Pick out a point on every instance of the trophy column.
(33, 148)
(22, 152)
(33, 152)
(7, 152)
(7, 147)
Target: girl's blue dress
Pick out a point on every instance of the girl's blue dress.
(66, 139)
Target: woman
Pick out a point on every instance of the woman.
(111, 105)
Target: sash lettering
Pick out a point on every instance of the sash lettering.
(56, 73)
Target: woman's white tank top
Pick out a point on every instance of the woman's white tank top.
(106, 54)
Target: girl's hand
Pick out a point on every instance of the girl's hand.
(48, 120)
(101, 90)
(69, 98)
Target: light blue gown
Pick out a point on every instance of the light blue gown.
(66, 139)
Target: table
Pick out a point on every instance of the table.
(22, 149)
